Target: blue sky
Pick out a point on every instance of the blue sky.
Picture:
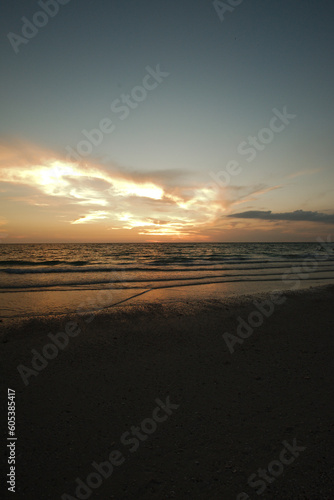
(225, 78)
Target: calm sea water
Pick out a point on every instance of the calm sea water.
(29, 268)
(81, 266)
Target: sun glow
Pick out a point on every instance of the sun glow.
(143, 206)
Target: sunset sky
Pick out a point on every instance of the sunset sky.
(166, 120)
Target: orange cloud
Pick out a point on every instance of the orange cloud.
(130, 203)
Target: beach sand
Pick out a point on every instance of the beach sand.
(232, 413)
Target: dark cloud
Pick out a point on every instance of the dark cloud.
(297, 215)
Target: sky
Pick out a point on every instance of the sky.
(166, 121)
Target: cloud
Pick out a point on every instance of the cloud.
(167, 203)
(88, 192)
(91, 217)
(237, 195)
(305, 172)
(297, 215)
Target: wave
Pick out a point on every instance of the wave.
(44, 263)
(150, 269)
(147, 283)
(82, 288)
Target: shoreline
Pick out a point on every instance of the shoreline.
(72, 302)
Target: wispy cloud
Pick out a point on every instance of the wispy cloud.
(305, 172)
(91, 217)
(149, 204)
(247, 194)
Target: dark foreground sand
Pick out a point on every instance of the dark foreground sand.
(235, 410)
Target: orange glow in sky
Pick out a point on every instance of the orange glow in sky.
(45, 198)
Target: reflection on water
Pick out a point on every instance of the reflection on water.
(55, 279)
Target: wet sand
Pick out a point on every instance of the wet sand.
(230, 414)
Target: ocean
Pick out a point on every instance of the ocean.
(31, 274)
